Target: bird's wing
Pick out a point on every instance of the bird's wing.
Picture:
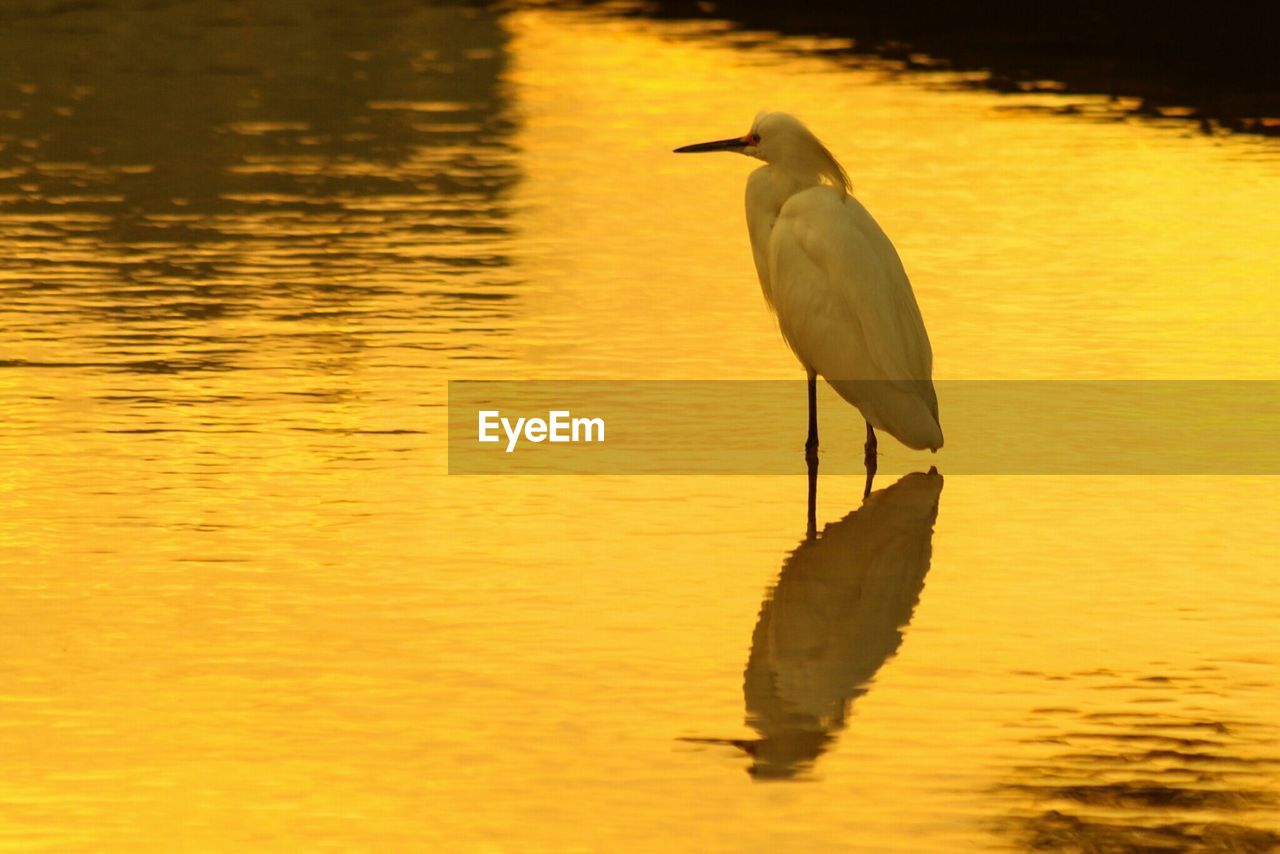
(832, 241)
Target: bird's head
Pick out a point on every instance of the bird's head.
(782, 140)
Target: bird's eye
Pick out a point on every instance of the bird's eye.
(753, 138)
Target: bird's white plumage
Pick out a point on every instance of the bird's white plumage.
(842, 298)
(846, 308)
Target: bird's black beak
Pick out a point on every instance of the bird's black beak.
(736, 144)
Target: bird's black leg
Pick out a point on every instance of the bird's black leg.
(811, 444)
(811, 530)
(869, 458)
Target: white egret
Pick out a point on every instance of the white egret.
(832, 277)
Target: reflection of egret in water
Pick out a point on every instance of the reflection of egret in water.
(834, 618)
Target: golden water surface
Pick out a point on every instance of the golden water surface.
(245, 607)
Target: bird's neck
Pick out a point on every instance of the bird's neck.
(788, 180)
